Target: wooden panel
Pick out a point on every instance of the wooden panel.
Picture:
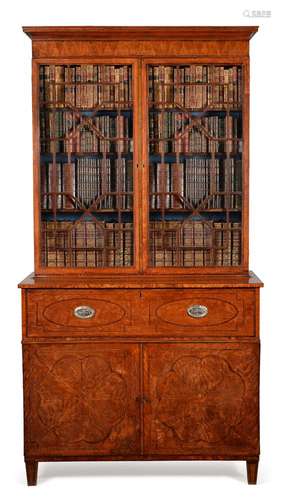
(229, 312)
(201, 398)
(81, 399)
(135, 48)
(51, 313)
(141, 313)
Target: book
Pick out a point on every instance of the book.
(86, 244)
(194, 243)
(195, 86)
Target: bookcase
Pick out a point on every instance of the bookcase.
(141, 319)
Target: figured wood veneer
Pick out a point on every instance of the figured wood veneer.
(202, 397)
(137, 313)
(81, 398)
(229, 313)
(141, 379)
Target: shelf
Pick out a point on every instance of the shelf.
(236, 112)
(103, 216)
(218, 215)
(63, 157)
(186, 210)
(78, 211)
(90, 111)
(171, 157)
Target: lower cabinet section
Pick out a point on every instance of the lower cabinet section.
(94, 400)
(81, 399)
(202, 398)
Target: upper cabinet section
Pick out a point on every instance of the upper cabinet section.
(140, 145)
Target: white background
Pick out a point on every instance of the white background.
(127, 480)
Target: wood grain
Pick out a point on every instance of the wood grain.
(140, 32)
(141, 380)
(201, 397)
(81, 399)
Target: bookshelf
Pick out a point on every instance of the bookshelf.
(141, 320)
(86, 165)
(195, 165)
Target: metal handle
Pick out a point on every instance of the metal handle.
(84, 312)
(197, 311)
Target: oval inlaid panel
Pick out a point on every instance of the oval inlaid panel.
(175, 312)
(61, 312)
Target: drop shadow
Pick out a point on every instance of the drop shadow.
(232, 470)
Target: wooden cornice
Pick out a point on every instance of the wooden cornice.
(182, 33)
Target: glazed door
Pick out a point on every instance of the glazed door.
(81, 399)
(195, 166)
(201, 399)
(86, 167)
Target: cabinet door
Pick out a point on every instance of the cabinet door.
(81, 399)
(88, 166)
(194, 164)
(202, 399)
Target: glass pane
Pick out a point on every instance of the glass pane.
(195, 165)
(86, 165)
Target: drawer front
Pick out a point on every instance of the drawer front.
(79, 312)
(141, 313)
(206, 312)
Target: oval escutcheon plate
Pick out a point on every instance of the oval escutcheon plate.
(197, 311)
(84, 312)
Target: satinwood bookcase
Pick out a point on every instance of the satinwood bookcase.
(141, 320)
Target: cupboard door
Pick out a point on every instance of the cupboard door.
(88, 166)
(201, 399)
(81, 399)
(193, 147)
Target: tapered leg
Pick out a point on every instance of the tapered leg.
(252, 471)
(31, 472)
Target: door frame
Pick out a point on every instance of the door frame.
(219, 60)
(44, 270)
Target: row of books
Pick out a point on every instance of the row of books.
(196, 86)
(194, 180)
(108, 181)
(85, 85)
(167, 134)
(59, 133)
(87, 244)
(195, 243)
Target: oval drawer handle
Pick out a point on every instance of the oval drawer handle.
(197, 311)
(84, 312)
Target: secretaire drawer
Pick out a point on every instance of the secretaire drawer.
(204, 312)
(79, 312)
(141, 313)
